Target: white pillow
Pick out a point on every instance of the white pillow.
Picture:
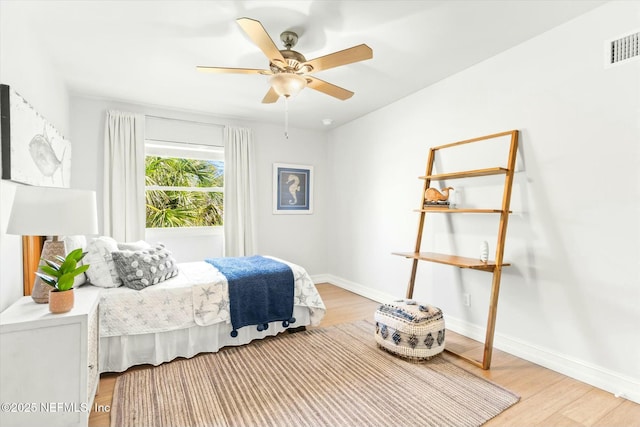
(102, 271)
(140, 245)
(72, 243)
(75, 242)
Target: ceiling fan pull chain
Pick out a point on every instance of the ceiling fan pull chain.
(286, 117)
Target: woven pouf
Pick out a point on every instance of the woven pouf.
(409, 329)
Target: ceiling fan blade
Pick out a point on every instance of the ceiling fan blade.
(232, 70)
(343, 57)
(328, 88)
(271, 97)
(260, 37)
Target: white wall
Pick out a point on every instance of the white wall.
(297, 238)
(27, 69)
(571, 299)
(293, 237)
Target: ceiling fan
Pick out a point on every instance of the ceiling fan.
(289, 70)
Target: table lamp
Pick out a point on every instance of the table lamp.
(52, 211)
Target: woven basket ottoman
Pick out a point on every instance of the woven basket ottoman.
(411, 330)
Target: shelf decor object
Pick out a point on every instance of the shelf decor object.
(52, 211)
(484, 251)
(433, 195)
(481, 263)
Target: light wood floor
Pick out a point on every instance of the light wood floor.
(547, 397)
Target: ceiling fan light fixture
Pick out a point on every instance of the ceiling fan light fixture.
(287, 84)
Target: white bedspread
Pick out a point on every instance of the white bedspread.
(198, 295)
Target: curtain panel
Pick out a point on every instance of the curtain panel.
(239, 192)
(124, 176)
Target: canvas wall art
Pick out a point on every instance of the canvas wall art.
(33, 151)
(292, 189)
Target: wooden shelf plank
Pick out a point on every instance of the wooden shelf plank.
(457, 210)
(466, 174)
(513, 133)
(454, 260)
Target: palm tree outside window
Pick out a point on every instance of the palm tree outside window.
(184, 186)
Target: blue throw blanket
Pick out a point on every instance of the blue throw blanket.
(260, 291)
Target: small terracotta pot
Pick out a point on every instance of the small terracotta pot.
(60, 301)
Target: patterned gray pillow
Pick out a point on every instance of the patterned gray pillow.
(139, 269)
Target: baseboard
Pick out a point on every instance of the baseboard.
(320, 278)
(620, 385)
(357, 288)
(605, 379)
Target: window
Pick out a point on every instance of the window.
(184, 185)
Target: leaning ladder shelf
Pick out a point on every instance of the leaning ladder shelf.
(494, 267)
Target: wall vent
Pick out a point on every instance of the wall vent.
(624, 48)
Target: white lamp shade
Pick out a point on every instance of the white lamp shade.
(287, 84)
(49, 211)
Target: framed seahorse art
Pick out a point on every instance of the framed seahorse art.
(33, 151)
(292, 189)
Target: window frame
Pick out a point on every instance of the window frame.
(184, 150)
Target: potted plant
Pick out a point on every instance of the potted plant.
(60, 277)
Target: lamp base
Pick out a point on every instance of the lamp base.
(40, 292)
(51, 248)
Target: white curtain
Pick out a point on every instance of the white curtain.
(239, 192)
(124, 199)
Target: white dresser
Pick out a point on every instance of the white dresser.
(49, 362)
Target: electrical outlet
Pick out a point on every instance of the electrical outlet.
(466, 298)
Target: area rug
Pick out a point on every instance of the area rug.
(334, 376)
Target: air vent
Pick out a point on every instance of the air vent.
(624, 48)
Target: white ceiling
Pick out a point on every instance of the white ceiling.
(146, 51)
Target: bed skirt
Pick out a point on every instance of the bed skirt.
(119, 353)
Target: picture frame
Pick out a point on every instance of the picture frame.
(33, 151)
(292, 189)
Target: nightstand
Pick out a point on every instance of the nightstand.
(49, 362)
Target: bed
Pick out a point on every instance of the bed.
(186, 315)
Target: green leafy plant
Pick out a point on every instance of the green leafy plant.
(61, 275)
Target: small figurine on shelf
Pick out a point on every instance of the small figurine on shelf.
(435, 198)
(484, 251)
(433, 195)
